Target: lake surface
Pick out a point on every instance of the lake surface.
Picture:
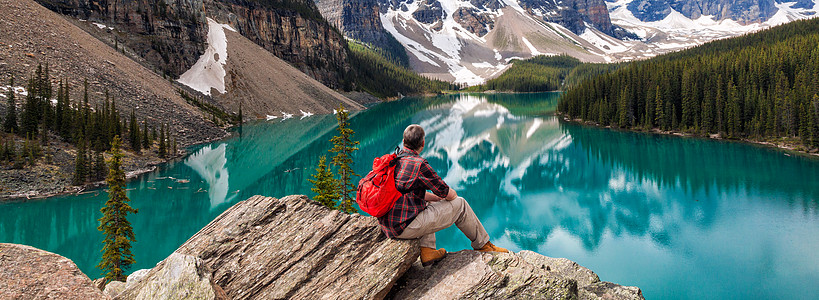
(681, 218)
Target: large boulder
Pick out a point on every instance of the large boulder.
(177, 277)
(267, 248)
(474, 275)
(30, 273)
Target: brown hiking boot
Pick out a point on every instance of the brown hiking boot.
(489, 247)
(430, 256)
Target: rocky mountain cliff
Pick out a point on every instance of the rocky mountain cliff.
(170, 35)
(576, 15)
(742, 11)
(293, 248)
(360, 20)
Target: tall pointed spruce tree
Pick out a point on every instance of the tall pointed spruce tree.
(116, 251)
(10, 122)
(344, 146)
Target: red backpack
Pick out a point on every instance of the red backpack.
(376, 191)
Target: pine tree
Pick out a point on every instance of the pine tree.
(44, 135)
(100, 168)
(114, 224)
(133, 133)
(659, 111)
(241, 118)
(66, 121)
(344, 146)
(30, 118)
(145, 139)
(80, 171)
(162, 146)
(10, 122)
(58, 111)
(324, 185)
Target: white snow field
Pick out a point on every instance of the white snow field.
(209, 72)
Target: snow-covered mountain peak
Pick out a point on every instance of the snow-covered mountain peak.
(470, 41)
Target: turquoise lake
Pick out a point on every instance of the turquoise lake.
(682, 218)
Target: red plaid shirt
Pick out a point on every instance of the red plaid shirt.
(413, 177)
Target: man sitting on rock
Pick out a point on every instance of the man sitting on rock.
(419, 213)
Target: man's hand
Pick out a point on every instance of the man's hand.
(452, 195)
(430, 197)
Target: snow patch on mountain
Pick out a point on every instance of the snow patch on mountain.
(209, 72)
(677, 32)
(603, 42)
(530, 46)
(788, 13)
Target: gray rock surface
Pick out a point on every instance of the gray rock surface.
(742, 11)
(177, 277)
(588, 283)
(267, 248)
(137, 276)
(560, 266)
(114, 288)
(473, 275)
(30, 273)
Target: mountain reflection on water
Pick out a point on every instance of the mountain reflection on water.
(681, 218)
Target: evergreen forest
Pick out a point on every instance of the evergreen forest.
(381, 74)
(47, 114)
(542, 74)
(759, 86)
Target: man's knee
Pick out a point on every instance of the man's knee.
(459, 203)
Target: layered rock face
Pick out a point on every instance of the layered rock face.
(266, 248)
(30, 273)
(575, 14)
(170, 34)
(360, 20)
(743, 11)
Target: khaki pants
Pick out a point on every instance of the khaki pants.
(441, 214)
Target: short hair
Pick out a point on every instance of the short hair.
(414, 137)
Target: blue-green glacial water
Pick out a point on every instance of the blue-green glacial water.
(681, 218)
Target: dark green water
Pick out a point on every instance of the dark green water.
(681, 218)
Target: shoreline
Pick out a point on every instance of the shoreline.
(36, 195)
(786, 149)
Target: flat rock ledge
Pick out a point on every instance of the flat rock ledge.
(30, 273)
(470, 274)
(293, 248)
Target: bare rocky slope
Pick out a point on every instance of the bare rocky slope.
(171, 35)
(267, 85)
(30, 35)
(294, 248)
